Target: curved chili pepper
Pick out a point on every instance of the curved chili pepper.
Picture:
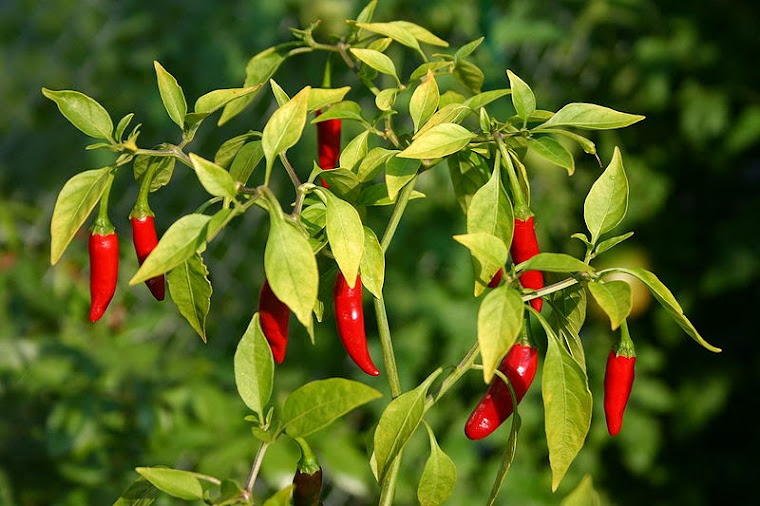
(328, 144)
(104, 270)
(307, 482)
(618, 382)
(349, 315)
(525, 246)
(145, 239)
(519, 366)
(274, 315)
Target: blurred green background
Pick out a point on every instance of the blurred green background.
(82, 405)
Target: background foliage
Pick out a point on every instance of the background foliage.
(81, 405)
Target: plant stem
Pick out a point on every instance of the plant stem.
(389, 483)
(398, 211)
(389, 359)
(464, 365)
(290, 170)
(522, 209)
(555, 287)
(255, 468)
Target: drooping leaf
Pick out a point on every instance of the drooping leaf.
(583, 495)
(181, 484)
(607, 201)
(424, 101)
(217, 181)
(190, 289)
(438, 476)
(500, 319)
(254, 368)
(614, 297)
(83, 112)
(551, 150)
(345, 234)
(162, 172)
(489, 254)
(372, 265)
(246, 160)
(420, 33)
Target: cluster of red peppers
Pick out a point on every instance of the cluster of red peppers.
(349, 312)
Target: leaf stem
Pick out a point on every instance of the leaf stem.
(398, 211)
(389, 483)
(255, 469)
(290, 170)
(389, 359)
(464, 365)
(522, 209)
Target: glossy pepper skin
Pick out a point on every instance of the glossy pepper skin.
(274, 315)
(145, 239)
(519, 366)
(618, 382)
(307, 488)
(328, 144)
(525, 246)
(104, 271)
(496, 279)
(349, 316)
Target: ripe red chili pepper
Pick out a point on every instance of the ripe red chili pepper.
(519, 366)
(145, 239)
(525, 246)
(274, 315)
(104, 270)
(496, 279)
(618, 382)
(349, 315)
(328, 144)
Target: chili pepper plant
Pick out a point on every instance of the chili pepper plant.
(321, 254)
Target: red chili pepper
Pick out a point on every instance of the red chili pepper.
(496, 279)
(328, 144)
(274, 315)
(525, 246)
(349, 315)
(519, 366)
(145, 239)
(104, 270)
(618, 382)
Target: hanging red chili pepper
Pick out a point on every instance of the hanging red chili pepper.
(104, 270)
(328, 144)
(496, 279)
(145, 239)
(618, 381)
(349, 316)
(525, 246)
(274, 315)
(519, 366)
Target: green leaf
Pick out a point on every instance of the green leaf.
(466, 50)
(398, 172)
(438, 476)
(345, 234)
(342, 110)
(450, 113)
(182, 240)
(490, 211)
(394, 31)
(614, 297)
(284, 128)
(489, 254)
(171, 95)
(380, 44)
(313, 218)
(365, 16)
(230, 148)
(246, 160)
(139, 493)
(506, 462)
(162, 173)
(372, 265)
(567, 406)
(665, 297)
(420, 33)
(371, 164)
(122, 126)
(281, 497)
(424, 101)
(342, 182)
(291, 268)
(254, 368)
(386, 98)
(280, 96)
(398, 423)
(376, 60)
(216, 99)
(469, 75)
(355, 151)
(83, 112)
(217, 181)
(500, 319)
(423, 69)
(551, 150)
(439, 141)
(583, 495)
(320, 98)
(181, 484)
(611, 243)
(568, 316)
(190, 289)
(607, 201)
(468, 174)
(590, 117)
(259, 70)
(586, 144)
(553, 262)
(317, 404)
(75, 202)
(481, 99)
(522, 96)
(377, 195)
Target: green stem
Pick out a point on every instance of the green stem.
(398, 211)
(386, 343)
(255, 469)
(625, 345)
(464, 365)
(290, 170)
(308, 463)
(389, 483)
(142, 208)
(522, 209)
(103, 225)
(555, 287)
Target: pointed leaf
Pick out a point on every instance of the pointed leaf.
(522, 96)
(438, 476)
(551, 150)
(490, 211)
(162, 174)
(181, 484)
(171, 95)
(376, 60)
(216, 99)
(319, 98)
(607, 201)
(284, 128)
(190, 289)
(246, 160)
(398, 172)
(345, 234)
(214, 178)
(83, 112)
(342, 110)
(614, 297)
(489, 254)
(420, 33)
(439, 141)
(318, 403)
(373, 264)
(355, 151)
(590, 117)
(500, 319)
(394, 31)
(424, 101)
(583, 495)
(75, 202)
(553, 262)
(139, 493)
(254, 368)
(372, 163)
